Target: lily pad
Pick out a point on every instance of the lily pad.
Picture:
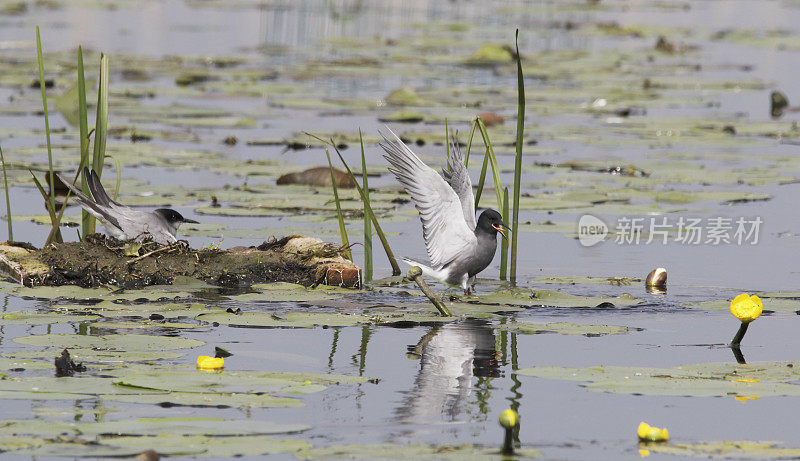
(187, 426)
(389, 451)
(728, 449)
(209, 446)
(295, 319)
(564, 328)
(283, 291)
(42, 318)
(521, 297)
(785, 304)
(696, 380)
(110, 342)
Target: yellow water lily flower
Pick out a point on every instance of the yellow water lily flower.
(746, 308)
(205, 362)
(648, 433)
(509, 419)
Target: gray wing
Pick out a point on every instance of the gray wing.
(121, 222)
(444, 228)
(457, 176)
(96, 210)
(97, 189)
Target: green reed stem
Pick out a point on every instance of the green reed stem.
(481, 181)
(342, 229)
(40, 61)
(101, 122)
(447, 141)
(87, 220)
(504, 242)
(367, 206)
(518, 160)
(8, 199)
(498, 186)
(373, 218)
(469, 142)
(367, 222)
(55, 231)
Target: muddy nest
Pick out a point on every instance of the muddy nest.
(104, 261)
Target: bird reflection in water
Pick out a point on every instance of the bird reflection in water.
(450, 356)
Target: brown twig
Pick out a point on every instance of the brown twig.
(167, 248)
(415, 274)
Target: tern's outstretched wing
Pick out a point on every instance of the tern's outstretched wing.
(457, 176)
(444, 228)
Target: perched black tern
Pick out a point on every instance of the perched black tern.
(125, 223)
(458, 247)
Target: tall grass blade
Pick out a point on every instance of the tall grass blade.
(481, 180)
(447, 141)
(119, 176)
(367, 206)
(87, 220)
(518, 160)
(469, 142)
(498, 186)
(342, 229)
(367, 222)
(8, 199)
(40, 61)
(101, 123)
(373, 218)
(55, 232)
(504, 242)
(100, 130)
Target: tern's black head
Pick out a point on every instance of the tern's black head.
(491, 222)
(173, 217)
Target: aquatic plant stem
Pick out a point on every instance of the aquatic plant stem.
(87, 220)
(498, 186)
(518, 160)
(415, 274)
(447, 141)
(481, 180)
(737, 340)
(389, 254)
(342, 228)
(367, 221)
(508, 442)
(8, 200)
(42, 84)
(469, 142)
(504, 242)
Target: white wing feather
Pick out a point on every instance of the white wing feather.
(444, 228)
(457, 176)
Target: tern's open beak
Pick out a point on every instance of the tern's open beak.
(498, 228)
(190, 221)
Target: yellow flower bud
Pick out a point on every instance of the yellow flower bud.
(205, 362)
(509, 419)
(648, 433)
(746, 308)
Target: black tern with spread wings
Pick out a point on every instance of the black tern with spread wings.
(458, 247)
(125, 223)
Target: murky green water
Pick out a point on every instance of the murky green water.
(685, 125)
